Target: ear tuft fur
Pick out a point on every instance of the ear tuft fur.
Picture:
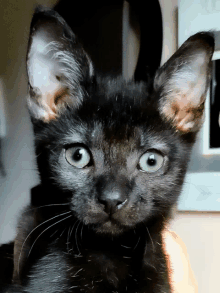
(57, 66)
(183, 81)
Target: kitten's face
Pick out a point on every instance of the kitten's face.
(119, 160)
(119, 150)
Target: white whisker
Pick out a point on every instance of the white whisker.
(62, 232)
(81, 231)
(75, 275)
(34, 230)
(48, 205)
(69, 235)
(73, 227)
(150, 238)
(68, 238)
(76, 238)
(45, 231)
(137, 243)
(73, 287)
(53, 233)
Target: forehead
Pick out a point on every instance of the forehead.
(116, 119)
(96, 135)
(118, 106)
(121, 114)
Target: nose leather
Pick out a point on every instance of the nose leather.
(112, 200)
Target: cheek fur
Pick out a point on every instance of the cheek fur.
(148, 196)
(69, 177)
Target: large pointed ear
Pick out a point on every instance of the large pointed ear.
(183, 81)
(57, 66)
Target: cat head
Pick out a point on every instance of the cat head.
(116, 151)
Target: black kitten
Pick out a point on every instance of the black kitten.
(112, 157)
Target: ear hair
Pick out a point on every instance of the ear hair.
(57, 66)
(182, 83)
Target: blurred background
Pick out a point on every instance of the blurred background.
(198, 228)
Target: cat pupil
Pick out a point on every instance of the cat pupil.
(77, 156)
(151, 160)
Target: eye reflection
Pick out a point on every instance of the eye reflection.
(151, 161)
(78, 156)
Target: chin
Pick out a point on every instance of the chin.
(111, 228)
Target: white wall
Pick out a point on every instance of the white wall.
(18, 157)
(170, 28)
(200, 233)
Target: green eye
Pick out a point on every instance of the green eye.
(78, 156)
(151, 162)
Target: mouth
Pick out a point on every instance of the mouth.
(109, 223)
(113, 225)
(109, 227)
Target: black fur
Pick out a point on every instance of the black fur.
(97, 228)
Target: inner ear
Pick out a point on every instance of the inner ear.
(49, 70)
(182, 83)
(186, 95)
(57, 66)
